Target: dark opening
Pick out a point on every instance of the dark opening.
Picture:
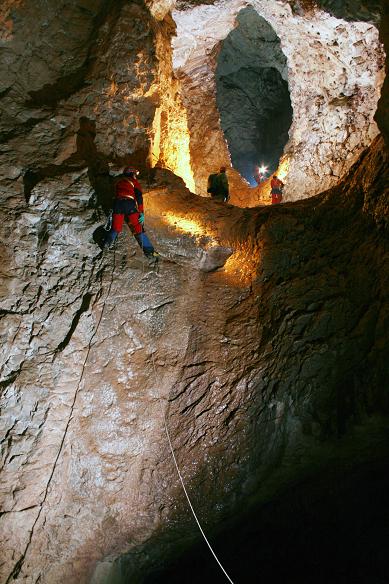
(332, 529)
(253, 96)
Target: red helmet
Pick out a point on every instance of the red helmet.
(130, 171)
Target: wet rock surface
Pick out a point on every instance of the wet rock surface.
(308, 368)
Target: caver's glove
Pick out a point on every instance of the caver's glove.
(141, 218)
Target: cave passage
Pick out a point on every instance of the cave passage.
(253, 96)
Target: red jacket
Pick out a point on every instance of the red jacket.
(137, 184)
(129, 188)
(276, 183)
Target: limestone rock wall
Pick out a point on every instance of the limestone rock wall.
(382, 114)
(86, 88)
(81, 85)
(276, 354)
(170, 133)
(289, 378)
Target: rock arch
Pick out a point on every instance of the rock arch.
(252, 95)
(335, 73)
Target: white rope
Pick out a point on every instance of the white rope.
(183, 484)
(178, 470)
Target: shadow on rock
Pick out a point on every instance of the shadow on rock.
(99, 235)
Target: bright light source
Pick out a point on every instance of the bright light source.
(263, 169)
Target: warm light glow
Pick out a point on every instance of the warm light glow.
(156, 138)
(190, 226)
(283, 168)
(242, 265)
(178, 157)
(170, 143)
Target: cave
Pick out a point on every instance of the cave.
(252, 95)
(248, 368)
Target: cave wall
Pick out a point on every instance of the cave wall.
(372, 11)
(88, 82)
(334, 91)
(170, 134)
(382, 114)
(289, 380)
(86, 471)
(50, 88)
(82, 83)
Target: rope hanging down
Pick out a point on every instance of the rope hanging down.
(183, 484)
(19, 564)
(178, 470)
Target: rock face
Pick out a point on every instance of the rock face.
(382, 115)
(260, 344)
(297, 344)
(100, 94)
(97, 350)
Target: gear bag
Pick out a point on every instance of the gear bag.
(213, 183)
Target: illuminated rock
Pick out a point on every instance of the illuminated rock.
(335, 71)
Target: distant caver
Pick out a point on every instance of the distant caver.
(218, 185)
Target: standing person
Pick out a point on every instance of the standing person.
(276, 190)
(260, 174)
(128, 206)
(218, 185)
